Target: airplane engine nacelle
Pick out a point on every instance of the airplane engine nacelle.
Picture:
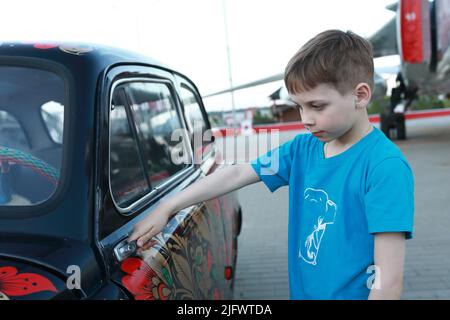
(414, 28)
(414, 38)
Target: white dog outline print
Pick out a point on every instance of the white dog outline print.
(326, 210)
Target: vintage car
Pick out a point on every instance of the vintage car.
(85, 153)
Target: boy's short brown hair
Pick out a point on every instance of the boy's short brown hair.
(342, 59)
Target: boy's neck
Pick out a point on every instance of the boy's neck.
(355, 134)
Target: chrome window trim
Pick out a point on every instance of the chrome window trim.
(127, 211)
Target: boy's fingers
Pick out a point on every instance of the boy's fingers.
(145, 238)
(138, 232)
(134, 235)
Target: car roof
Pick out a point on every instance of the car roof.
(76, 56)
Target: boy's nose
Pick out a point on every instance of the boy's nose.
(308, 121)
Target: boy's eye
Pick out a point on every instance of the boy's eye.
(318, 107)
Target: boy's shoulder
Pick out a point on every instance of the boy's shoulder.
(385, 158)
(383, 149)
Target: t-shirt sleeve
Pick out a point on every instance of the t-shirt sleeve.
(389, 198)
(274, 167)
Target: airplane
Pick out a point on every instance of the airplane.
(420, 35)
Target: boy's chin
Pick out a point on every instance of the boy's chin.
(323, 138)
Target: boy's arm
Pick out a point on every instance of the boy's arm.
(214, 185)
(389, 262)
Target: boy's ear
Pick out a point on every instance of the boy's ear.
(363, 94)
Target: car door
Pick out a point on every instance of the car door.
(187, 260)
(205, 153)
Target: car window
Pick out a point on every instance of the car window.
(30, 161)
(127, 176)
(156, 119)
(196, 121)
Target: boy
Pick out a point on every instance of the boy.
(351, 191)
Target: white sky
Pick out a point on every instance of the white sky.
(189, 35)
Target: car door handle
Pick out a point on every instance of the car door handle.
(125, 249)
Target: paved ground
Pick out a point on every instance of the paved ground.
(262, 258)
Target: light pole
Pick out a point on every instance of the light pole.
(230, 77)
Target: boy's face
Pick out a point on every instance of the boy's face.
(325, 112)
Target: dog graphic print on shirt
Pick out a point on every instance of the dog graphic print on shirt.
(321, 213)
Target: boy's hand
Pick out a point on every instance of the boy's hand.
(147, 228)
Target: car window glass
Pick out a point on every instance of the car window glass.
(30, 161)
(192, 109)
(197, 123)
(128, 180)
(156, 119)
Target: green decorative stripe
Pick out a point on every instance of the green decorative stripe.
(31, 161)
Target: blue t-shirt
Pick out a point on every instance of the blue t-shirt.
(336, 205)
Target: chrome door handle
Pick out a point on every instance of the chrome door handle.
(125, 249)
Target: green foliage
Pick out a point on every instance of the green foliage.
(379, 106)
(423, 103)
(258, 118)
(429, 102)
(215, 120)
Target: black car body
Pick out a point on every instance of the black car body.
(84, 153)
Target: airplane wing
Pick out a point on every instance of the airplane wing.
(384, 41)
(273, 78)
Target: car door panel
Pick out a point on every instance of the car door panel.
(190, 259)
(182, 262)
(194, 255)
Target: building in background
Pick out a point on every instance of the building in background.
(283, 109)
